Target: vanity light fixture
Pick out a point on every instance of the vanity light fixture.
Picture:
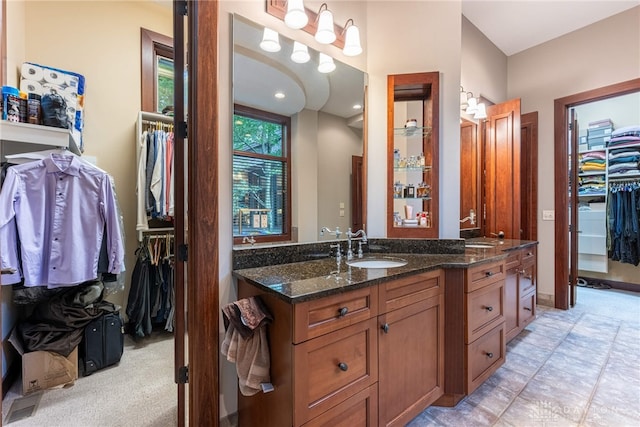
(352, 45)
(326, 64)
(472, 106)
(296, 16)
(300, 54)
(481, 112)
(270, 40)
(325, 33)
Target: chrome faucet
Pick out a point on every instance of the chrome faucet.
(248, 239)
(337, 231)
(351, 235)
(338, 253)
(471, 218)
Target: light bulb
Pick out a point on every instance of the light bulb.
(296, 16)
(325, 33)
(326, 64)
(270, 41)
(300, 53)
(352, 45)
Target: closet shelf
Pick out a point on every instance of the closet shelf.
(36, 134)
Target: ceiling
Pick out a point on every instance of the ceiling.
(514, 26)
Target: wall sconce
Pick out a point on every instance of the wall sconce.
(296, 16)
(352, 45)
(325, 33)
(270, 40)
(300, 53)
(326, 64)
(320, 25)
(481, 112)
(472, 106)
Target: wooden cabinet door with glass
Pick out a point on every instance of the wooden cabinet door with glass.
(412, 154)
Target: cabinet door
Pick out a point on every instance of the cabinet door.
(511, 303)
(412, 152)
(411, 360)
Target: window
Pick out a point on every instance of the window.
(157, 71)
(261, 175)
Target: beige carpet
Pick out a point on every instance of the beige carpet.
(139, 391)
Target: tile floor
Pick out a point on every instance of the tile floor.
(579, 367)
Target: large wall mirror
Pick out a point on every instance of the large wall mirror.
(298, 138)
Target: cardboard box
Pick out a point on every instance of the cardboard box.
(42, 370)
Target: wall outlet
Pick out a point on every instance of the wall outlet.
(548, 215)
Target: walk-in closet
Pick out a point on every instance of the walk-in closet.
(608, 192)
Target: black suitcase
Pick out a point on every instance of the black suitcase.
(103, 343)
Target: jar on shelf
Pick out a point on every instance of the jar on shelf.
(397, 190)
(409, 191)
(396, 157)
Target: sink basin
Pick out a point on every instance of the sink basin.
(478, 246)
(385, 262)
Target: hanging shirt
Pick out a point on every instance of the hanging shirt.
(142, 222)
(60, 207)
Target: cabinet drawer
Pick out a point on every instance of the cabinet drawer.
(485, 310)
(331, 368)
(527, 279)
(528, 255)
(513, 260)
(358, 410)
(319, 317)
(484, 275)
(485, 355)
(527, 309)
(403, 292)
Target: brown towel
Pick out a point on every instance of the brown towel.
(250, 353)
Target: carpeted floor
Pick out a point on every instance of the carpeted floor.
(139, 391)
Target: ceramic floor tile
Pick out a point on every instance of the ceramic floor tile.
(567, 404)
(491, 398)
(463, 414)
(618, 397)
(547, 338)
(522, 364)
(568, 363)
(589, 343)
(517, 345)
(524, 413)
(604, 416)
(507, 379)
(579, 354)
(551, 322)
(581, 384)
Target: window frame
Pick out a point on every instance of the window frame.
(284, 121)
(152, 45)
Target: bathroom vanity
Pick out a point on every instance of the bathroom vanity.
(376, 346)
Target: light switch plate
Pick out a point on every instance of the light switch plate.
(548, 215)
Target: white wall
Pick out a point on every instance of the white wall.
(408, 37)
(601, 54)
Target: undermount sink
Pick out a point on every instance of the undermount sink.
(478, 245)
(382, 262)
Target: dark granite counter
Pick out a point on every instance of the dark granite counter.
(313, 274)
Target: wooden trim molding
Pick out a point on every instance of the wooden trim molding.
(203, 207)
(561, 177)
(152, 44)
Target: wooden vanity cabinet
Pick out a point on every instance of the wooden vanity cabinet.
(411, 346)
(475, 343)
(372, 356)
(520, 290)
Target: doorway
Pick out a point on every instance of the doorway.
(565, 250)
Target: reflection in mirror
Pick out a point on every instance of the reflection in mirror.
(470, 176)
(325, 113)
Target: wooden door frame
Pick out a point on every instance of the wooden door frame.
(529, 176)
(561, 176)
(203, 264)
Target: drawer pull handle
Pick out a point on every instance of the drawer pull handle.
(529, 253)
(343, 312)
(488, 308)
(489, 273)
(385, 328)
(527, 308)
(343, 366)
(489, 355)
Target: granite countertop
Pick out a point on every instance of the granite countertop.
(306, 280)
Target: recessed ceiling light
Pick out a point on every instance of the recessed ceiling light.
(357, 106)
(279, 95)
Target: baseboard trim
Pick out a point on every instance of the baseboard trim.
(625, 286)
(545, 299)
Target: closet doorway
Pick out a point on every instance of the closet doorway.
(566, 202)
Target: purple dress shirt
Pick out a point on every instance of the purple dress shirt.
(59, 207)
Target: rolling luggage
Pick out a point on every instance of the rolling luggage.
(103, 343)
